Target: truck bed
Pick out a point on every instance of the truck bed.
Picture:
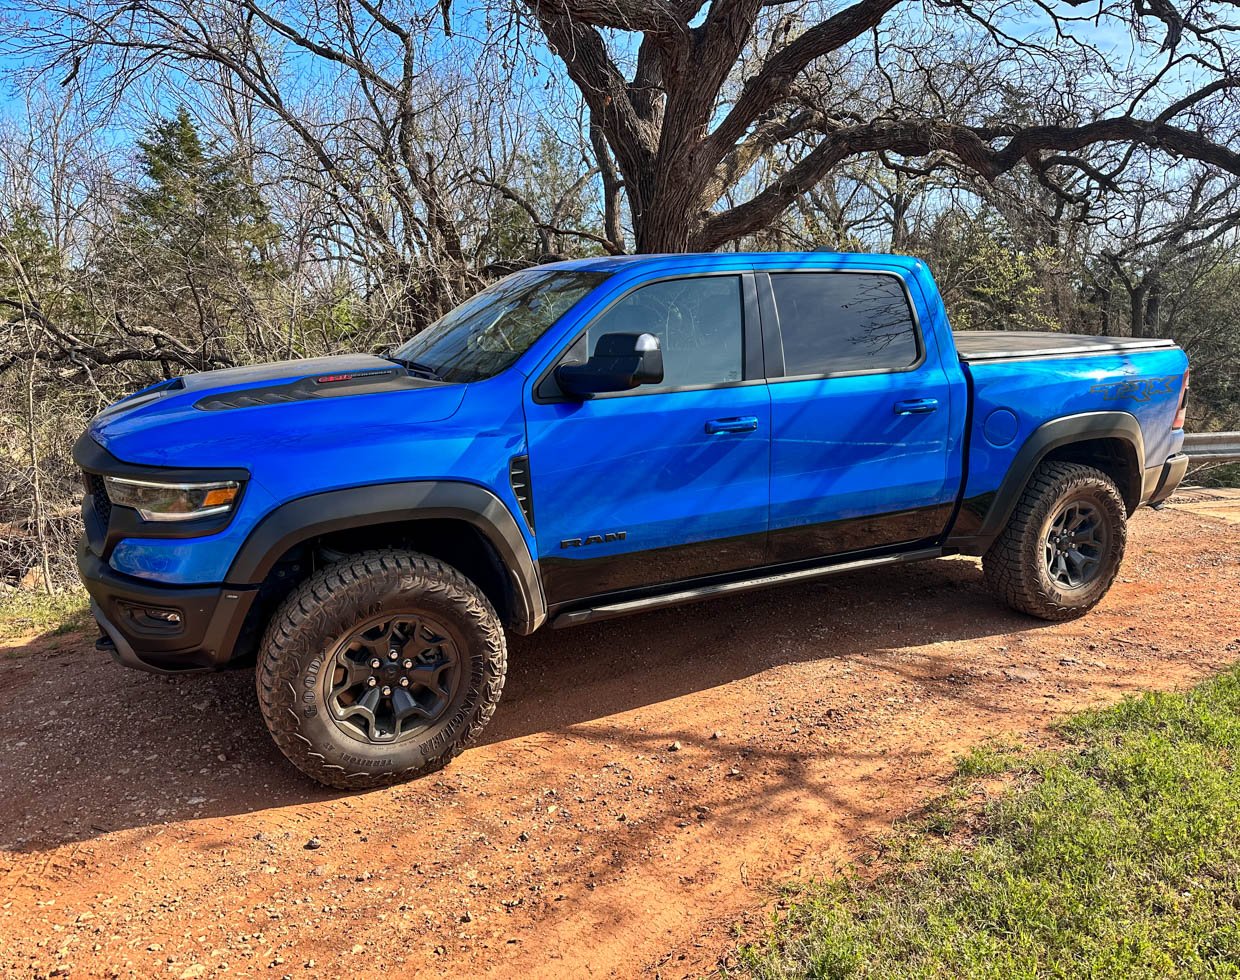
(1011, 345)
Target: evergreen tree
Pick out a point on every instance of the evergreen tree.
(30, 266)
(193, 248)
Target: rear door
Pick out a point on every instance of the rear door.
(860, 416)
(668, 481)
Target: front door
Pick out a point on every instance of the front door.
(668, 481)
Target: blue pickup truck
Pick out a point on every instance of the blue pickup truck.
(589, 439)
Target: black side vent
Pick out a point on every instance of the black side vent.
(519, 476)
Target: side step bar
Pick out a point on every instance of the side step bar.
(577, 617)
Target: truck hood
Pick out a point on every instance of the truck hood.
(231, 417)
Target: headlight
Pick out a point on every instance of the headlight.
(172, 501)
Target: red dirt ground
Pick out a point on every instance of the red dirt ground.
(645, 783)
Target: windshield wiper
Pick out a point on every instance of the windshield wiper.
(415, 367)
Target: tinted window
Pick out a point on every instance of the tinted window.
(843, 322)
(489, 331)
(697, 321)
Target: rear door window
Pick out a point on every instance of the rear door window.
(844, 322)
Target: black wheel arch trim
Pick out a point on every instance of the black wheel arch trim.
(309, 517)
(1044, 440)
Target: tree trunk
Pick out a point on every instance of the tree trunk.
(662, 230)
(37, 505)
(663, 209)
(1136, 316)
(1153, 310)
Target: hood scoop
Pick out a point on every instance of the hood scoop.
(333, 385)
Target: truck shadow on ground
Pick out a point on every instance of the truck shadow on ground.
(92, 747)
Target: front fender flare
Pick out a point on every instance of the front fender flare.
(308, 517)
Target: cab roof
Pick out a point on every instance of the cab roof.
(739, 260)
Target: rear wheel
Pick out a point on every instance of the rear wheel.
(1062, 548)
(380, 668)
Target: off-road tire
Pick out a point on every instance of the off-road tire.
(1015, 567)
(309, 624)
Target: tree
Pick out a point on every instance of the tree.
(354, 100)
(1162, 241)
(192, 248)
(29, 263)
(709, 94)
(197, 202)
(545, 207)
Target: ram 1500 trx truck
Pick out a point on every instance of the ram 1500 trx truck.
(590, 439)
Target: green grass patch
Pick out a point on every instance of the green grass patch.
(23, 612)
(991, 759)
(1116, 856)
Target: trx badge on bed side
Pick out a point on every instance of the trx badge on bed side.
(1138, 389)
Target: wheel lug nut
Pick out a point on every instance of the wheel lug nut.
(387, 691)
(391, 655)
(376, 663)
(371, 681)
(404, 682)
(408, 665)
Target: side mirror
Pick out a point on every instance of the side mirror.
(621, 361)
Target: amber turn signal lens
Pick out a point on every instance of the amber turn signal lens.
(220, 497)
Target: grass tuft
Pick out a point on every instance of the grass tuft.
(1119, 856)
(24, 612)
(991, 759)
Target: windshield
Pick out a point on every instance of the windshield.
(486, 333)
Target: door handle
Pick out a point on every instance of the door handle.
(916, 406)
(746, 423)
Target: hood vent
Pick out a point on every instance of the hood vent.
(314, 388)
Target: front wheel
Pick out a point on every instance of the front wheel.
(380, 668)
(1062, 548)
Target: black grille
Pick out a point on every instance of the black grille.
(519, 477)
(103, 506)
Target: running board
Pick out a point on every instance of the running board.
(593, 615)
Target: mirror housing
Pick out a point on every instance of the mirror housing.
(621, 362)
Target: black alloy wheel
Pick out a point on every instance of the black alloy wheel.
(380, 667)
(1063, 544)
(393, 677)
(1076, 543)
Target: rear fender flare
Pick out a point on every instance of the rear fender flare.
(309, 517)
(1044, 440)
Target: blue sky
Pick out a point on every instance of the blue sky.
(469, 24)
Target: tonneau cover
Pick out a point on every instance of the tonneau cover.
(994, 345)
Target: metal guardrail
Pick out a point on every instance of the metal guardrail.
(1204, 447)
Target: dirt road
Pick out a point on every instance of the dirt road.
(644, 784)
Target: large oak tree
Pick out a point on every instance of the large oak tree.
(711, 118)
(690, 95)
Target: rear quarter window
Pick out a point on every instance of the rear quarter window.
(836, 322)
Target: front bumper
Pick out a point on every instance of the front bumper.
(194, 628)
(1161, 481)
